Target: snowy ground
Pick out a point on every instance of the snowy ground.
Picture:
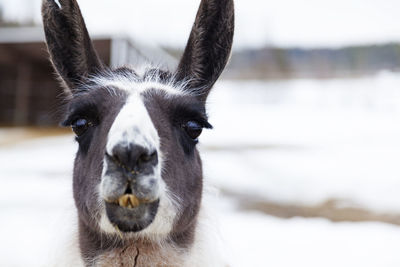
(308, 141)
(301, 142)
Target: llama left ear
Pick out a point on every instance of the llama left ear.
(71, 50)
(209, 46)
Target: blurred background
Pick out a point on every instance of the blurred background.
(305, 150)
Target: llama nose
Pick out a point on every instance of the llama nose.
(134, 157)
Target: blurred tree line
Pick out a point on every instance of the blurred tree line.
(281, 63)
(287, 63)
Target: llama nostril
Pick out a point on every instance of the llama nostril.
(116, 159)
(148, 157)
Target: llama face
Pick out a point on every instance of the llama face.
(137, 170)
(128, 118)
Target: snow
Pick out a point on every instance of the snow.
(308, 141)
(35, 192)
(301, 142)
(260, 240)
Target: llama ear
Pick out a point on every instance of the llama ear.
(71, 50)
(208, 47)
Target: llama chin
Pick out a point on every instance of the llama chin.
(138, 179)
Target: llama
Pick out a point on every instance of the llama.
(137, 178)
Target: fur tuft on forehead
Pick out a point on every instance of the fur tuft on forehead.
(130, 81)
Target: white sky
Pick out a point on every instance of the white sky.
(309, 23)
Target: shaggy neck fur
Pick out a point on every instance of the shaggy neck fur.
(111, 250)
(143, 253)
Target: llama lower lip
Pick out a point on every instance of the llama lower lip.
(131, 219)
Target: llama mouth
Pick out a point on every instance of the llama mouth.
(129, 214)
(130, 201)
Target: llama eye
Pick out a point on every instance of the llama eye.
(80, 126)
(193, 129)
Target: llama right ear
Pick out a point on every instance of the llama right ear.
(209, 46)
(71, 50)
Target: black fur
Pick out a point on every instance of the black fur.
(209, 46)
(71, 50)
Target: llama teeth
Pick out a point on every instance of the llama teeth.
(122, 201)
(134, 201)
(128, 201)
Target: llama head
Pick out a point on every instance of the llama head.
(137, 170)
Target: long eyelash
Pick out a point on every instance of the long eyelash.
(71, 118)
(67, 122)
(203, 122)
(207, 125)
(85, 112)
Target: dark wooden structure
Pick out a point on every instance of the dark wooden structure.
(29, 91)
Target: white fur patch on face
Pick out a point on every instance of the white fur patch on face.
(166, 214)
(133, 125)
